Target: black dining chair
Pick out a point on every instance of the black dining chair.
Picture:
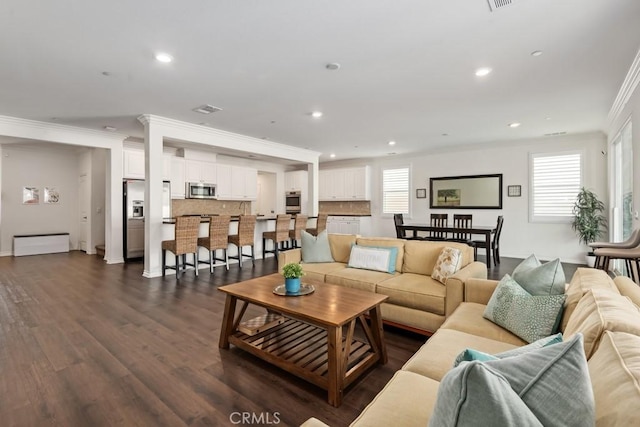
(398, 219)
(462, 221)
(438, 220)
(495, 243)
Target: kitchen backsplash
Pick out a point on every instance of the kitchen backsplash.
(345, 208)
(208, 207)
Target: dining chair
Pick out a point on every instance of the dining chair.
(296, 234)
(245, 237)
(185, 242)
(218, 239)
(398, 219)
(321, 225)
(462, 221)
(632, 242)
(631, 257)
(438, 220)
(279, 236)
(495, 243)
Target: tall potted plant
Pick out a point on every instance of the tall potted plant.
(588, 220)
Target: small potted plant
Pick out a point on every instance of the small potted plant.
(292, 273)
(588, 221)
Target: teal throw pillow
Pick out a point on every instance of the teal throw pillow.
(549, 386)
(528, 316)
(469, 354)
(316, 248)
(540, 279)
(373, 258)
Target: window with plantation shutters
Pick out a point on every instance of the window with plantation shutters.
(395, 191)
(556, 180)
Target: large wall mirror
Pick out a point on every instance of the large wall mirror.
(466, 192)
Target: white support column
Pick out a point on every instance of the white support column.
(152, 201)
(113, 206)
(313, 187)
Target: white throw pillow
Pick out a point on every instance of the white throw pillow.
(373, 258)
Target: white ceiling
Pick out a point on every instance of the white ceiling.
(407, 67)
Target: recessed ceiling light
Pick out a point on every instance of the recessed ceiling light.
(164, 57)
(547, 118)
(332, 155)
(316, 114)
(481, 72)
(514, 125)
(392, 143)
(110, 128)
(536, 53)
(332, 66)
(106, 73)
(207, 109)
(445, 134)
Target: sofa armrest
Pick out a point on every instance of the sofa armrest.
(288, 257)
(313, 422)
(479, 290)
(628, 288)
(455, 286)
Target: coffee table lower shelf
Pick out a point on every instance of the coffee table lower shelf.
(301, 349)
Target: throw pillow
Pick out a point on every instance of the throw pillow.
(373, 258)
(315, 248)
(528, 316)
(469, 354)
(549, 386)
(449, 261)
(540, 279)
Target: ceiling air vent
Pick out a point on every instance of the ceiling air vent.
(497, 4)
(207, 109)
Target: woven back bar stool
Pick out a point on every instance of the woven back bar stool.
(245, 237)
(299, 225)
(321, 225)
(280, 235)
(185, 242)
(218, 239)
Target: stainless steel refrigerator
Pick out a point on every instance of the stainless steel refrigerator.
(134, 210)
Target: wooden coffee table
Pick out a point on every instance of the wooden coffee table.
(311, 343)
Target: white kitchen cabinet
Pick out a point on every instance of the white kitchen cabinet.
(296, 181)
(349, 225)
(237, 183)
(166, 167)
(177, 178)
(345, 184)
(200, 171)
(133, 164)
(223, 184)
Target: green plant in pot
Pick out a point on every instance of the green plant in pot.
(588, 220)
(292, 273)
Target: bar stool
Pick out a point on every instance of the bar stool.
(299, 225)
(185, 242)
(245, 237)
(279, 236)
(321, 225)
(632, 242)
(629, 255)
(218, 239)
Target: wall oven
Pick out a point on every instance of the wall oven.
(293, 202)
(199, 190)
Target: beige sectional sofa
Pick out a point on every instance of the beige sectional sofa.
(416, 301)
(605, 311)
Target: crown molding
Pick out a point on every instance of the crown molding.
(629, 85)
(219, 138)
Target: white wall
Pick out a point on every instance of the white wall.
(38, 167)
(520, 238)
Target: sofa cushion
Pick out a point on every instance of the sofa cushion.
(355, 278)
(553, 382)
(340, 245)
(436, 357)
(540, 279)
(406, 400)
(315, 248)
(420, 256)
(385, 242)
(415, 291)
(449, 261)
(468, 318)
(318, 271)
(583, 280)
(600, 310)
(530, 317)
(615, 378)
(373, 258)
(628, 288)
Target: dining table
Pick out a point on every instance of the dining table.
(485, 230)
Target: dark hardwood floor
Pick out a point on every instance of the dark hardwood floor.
(83, 343)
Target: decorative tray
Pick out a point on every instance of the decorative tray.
(304, 290)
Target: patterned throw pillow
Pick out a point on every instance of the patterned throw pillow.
(448, 263)
(530, 317)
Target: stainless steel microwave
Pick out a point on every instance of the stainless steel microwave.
(199, 190)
